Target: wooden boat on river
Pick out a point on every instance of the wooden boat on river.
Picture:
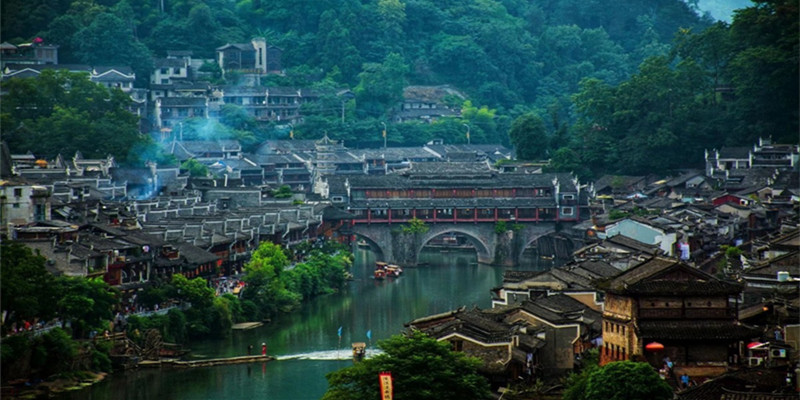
(387, 270)
(359, 350)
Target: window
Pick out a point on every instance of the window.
(337, 199)
(17, 192)
(176, 71)
(569, 197)
(458, 345)
(566, 211)
(164, 71)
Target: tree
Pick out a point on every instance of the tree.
(415, 225)
(86, 303)
(381, 85)
(195, 168)
(195, 291)
(265, 286)
(529, 137)
(61, 112)
(283, 192)
(422, 368)
(25, 285)
(108, 40)
(626, 380)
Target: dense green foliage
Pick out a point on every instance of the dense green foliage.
(621, 380)
(273, 286)
(195, 168)
(414, 226)
(638, 87)
(30, 292)
(63, 112)
(422, 368)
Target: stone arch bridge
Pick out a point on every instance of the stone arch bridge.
(401, 248)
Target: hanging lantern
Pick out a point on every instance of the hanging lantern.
(753, 344)
(654, 346)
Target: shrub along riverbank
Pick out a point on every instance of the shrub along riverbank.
(273, 284)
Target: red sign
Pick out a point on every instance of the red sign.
(386, 385)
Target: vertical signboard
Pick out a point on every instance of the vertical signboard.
(386, 385)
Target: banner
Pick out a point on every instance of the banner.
(386, 385)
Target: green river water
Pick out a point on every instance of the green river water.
(306, 343)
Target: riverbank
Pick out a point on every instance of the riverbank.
(46, 389)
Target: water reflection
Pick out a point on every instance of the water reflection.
(448, 281)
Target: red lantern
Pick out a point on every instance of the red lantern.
(754, 344)
(654, 346)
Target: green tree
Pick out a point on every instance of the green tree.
(626, 380)
(26, 287)
(764, 70)
(60, 112)
(86, 303)
(529, 137)
(283, 192)
(415, 225)
(576, 381)
(422, 368)
(265, 286)
(381, 85)
(108, 40)
(195, 168)
(194, 291)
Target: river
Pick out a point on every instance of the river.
(306, 342)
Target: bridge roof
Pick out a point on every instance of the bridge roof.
(453, 180)
(480, 202)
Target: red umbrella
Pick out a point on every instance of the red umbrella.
(754, 344)
(654, 346)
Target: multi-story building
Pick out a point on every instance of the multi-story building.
(665, 308)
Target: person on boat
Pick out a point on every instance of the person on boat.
(263, 349)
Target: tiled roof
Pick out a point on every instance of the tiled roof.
(671, 287)
(644, 278)
(745, 384)
(741, 152)
(453, 202)
(632, 244)
(182, 101)
(169, 63)
(696, 330)
(194, 254)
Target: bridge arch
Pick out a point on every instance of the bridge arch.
(561, 245)
(484, 249)
(374, 244)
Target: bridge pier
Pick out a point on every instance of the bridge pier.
(403, 248)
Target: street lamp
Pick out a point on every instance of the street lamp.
(467, 132)
(384, 134)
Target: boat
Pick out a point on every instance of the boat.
(363, 244)
(379, 274)
(393, 270)
(387, 270)
(359, 350)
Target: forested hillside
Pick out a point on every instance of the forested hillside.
(502, 53)
(601, 78)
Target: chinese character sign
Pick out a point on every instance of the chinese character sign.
(386, 385)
